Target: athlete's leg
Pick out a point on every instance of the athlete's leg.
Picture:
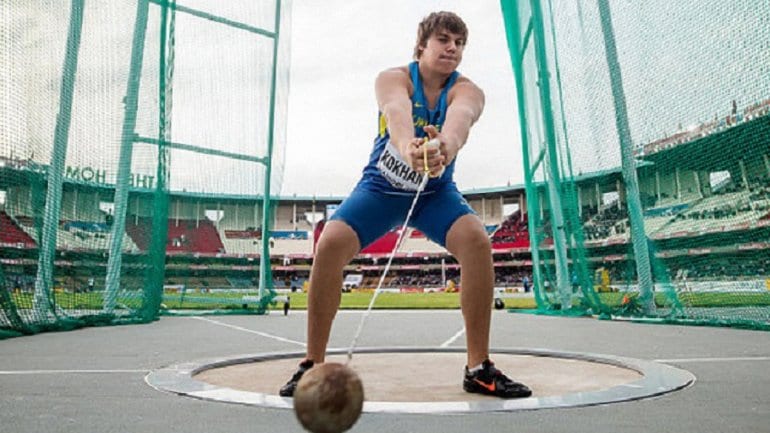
(336, 248)
(362, 218)
(447, 219)
(467, 240)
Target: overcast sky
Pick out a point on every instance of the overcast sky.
(339, 47)
(673, 79)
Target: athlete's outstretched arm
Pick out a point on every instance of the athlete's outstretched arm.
(465, 105)
(392, 88)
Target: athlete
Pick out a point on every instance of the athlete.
(427, 99)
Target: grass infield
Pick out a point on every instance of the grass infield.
(360, 300)
(438, 300)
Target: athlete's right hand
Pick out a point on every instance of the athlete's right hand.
(414, 154)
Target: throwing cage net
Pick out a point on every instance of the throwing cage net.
(109, 109)
(645, 130)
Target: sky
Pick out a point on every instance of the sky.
(339, 47)
(673, 80)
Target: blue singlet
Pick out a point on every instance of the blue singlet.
(382, 197)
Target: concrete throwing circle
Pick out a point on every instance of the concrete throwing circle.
(429, 380)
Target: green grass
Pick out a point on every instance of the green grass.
(752, 299)
(356, 301)
(439, 300)
(75, 301)
(698, 299)
(360, 300)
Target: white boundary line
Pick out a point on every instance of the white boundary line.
(391, 311)
(250, 331)
(733, 359)
(453, 338)
(22, 372)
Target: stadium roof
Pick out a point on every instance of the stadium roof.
(718, 151)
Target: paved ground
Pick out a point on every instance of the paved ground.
(92, 380)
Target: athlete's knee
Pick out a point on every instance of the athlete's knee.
(468, 236)
(475, 246)
(338, 240)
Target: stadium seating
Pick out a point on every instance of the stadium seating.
(512, 233)
(656, 223)
(183, 235)
(136, 228)
(732, 210)
(731, 207)
(418, 243)
(240, 241)
(12, 233)
(283, 246)
(193, 236)
(74, 235)
(85, 236)
(242, 283)
(383, 245)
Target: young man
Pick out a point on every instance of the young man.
(427, 98)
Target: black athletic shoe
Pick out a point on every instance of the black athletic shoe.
(491, 381)
(288, 389)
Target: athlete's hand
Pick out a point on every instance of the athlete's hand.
(442, 158)
(416, 153)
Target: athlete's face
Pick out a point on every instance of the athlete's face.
(443, 51)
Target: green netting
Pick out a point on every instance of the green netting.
(107, 109)
(645, 131)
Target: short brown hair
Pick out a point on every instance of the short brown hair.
(438, 21)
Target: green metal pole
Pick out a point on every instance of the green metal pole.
(45, 267)
(153, 285)
(553, 180)
(112, 284)
(634, 203)
(516, 50)
(265, 272)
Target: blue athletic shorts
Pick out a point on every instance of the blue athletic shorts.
(372, 213)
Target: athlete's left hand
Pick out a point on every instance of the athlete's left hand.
(433, 133)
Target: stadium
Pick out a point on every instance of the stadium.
(709, 219)
(142, 157)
